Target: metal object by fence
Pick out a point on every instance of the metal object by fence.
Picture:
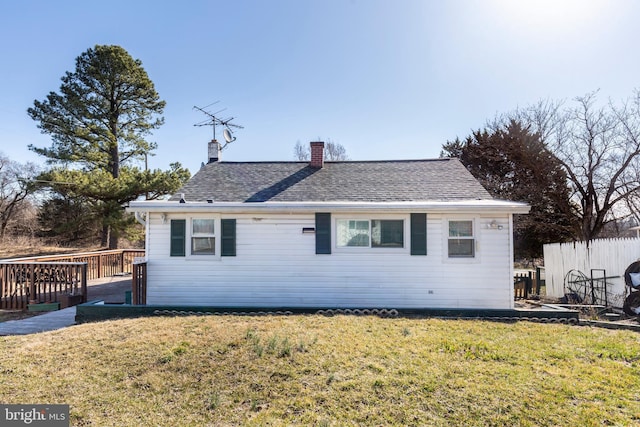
(593, 290)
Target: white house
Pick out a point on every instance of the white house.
(350, 234)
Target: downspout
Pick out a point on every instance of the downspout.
(141, 218)
(511, 261)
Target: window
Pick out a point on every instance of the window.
(202, 233)
(387, 233)
(353, 232)
(203, 240)
(376, 233)
(461, 240)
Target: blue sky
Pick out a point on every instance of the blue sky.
(386, 79)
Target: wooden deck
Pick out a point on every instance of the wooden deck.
(68, 279)
(109, 289)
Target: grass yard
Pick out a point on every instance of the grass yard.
(327, 371)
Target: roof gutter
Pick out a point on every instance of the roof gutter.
(310, 207)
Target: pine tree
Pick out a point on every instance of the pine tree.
(98, 123)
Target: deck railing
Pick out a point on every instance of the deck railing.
(99, 263)
(139, 283)
(53, 278)
(528, 284)
(31, 283)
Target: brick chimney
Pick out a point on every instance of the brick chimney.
(214, 151)
(317, 154)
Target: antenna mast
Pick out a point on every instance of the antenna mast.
(214, 120)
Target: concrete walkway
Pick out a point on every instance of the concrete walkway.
(43, 322)
(108, 289)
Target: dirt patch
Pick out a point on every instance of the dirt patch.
(16, 314)
(8, 251)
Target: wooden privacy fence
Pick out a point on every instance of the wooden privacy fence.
(99, 263)
(609, 257)
(32, 283)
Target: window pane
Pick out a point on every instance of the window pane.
(461, 247)
(460, 229)
(387, 233)
(203, 245)
(203, 226)
(352, 233)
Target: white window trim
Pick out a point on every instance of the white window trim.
(475, 259)
(370, 249)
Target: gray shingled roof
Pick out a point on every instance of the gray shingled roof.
(352, 181)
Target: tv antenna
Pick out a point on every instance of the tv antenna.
(214, 120)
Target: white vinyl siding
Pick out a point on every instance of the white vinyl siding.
(276, 266)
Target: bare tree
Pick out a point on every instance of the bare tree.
(598, 146)
(301, 152)
(16, 185)
(333, 152)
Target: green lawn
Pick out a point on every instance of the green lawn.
(325, 371)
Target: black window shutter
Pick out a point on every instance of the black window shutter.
(178, 237)
(323, 233)
(228, 239)
(418, 234)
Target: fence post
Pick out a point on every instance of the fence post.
(134, 284)
(143, 300)
(32, 284)
(83, 280)
(139, 284)
(4, 287)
